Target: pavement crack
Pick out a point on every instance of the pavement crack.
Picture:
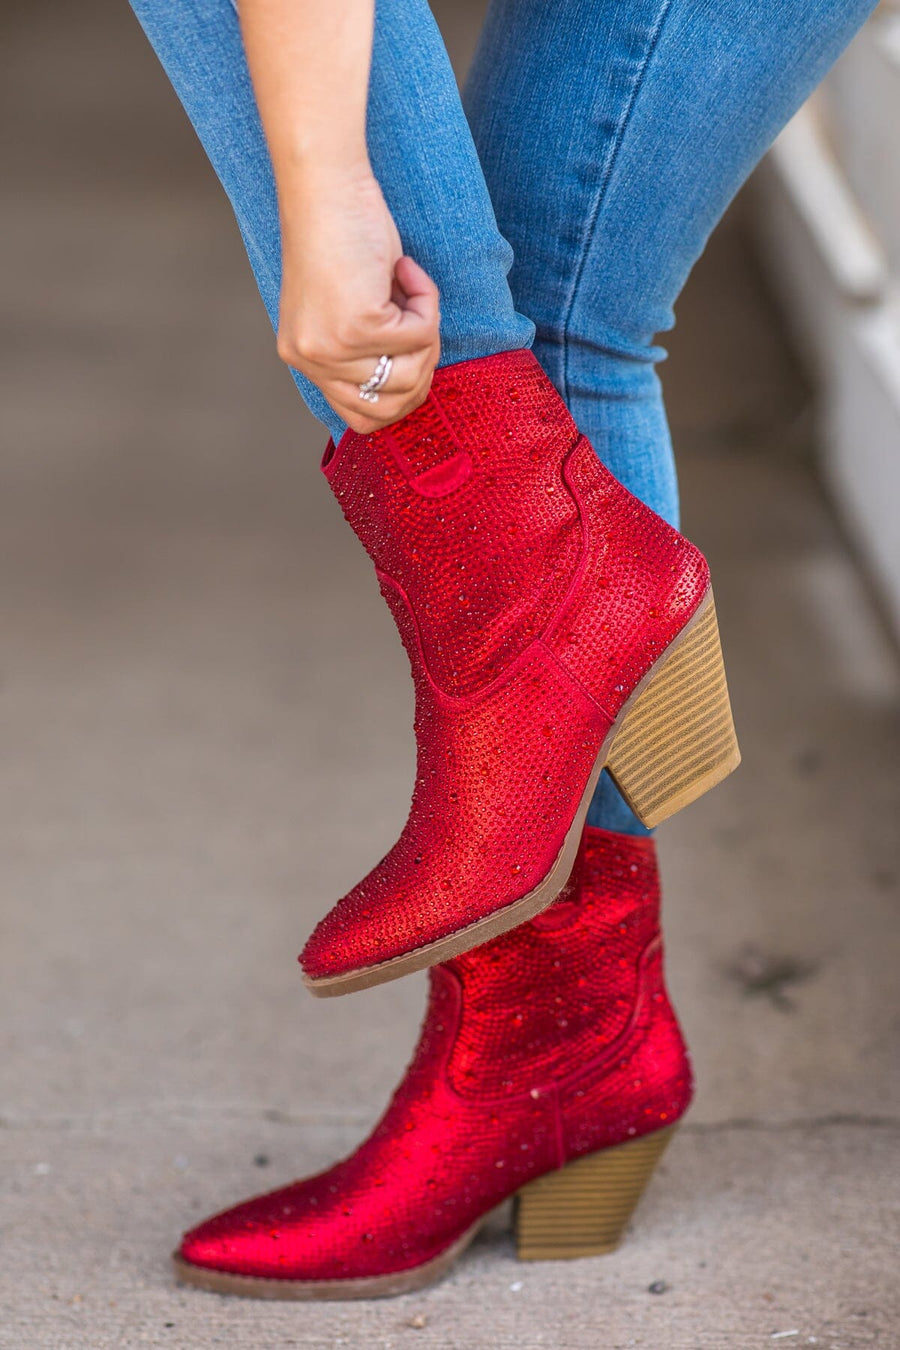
(180, 1114)
(834, 1120)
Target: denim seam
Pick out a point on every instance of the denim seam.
(602, 186)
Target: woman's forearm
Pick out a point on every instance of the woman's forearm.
(309, 61)
(348, 295)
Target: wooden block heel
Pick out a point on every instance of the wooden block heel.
(677, 739)
(584, 1208)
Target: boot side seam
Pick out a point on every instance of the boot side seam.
(653, 947)
(535, 648)
(581, 567)
(552, 1088)
(574, 679)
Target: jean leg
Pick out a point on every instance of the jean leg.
(421, 152)
(613, 134)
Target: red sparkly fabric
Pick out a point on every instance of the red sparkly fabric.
(532, 593)
(550, 1042)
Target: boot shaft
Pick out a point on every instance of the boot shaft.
(569, 1010)
(542, 1001)
(462, 505)
(492, 520)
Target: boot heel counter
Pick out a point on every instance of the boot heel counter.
(668, 1073)
(638, 584)
(648, 1085)
(669, 1042)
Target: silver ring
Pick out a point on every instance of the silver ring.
(368, 391)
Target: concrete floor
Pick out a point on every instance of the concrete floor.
(205, 723)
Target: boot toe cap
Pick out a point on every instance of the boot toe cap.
(261, 1238)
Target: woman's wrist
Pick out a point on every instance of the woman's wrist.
(312, 152)
(306, 175)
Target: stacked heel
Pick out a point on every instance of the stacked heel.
(584, 1208)
(677, 739)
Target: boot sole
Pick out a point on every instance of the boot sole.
(582, 1209)
(368, 1286)
(673, 740)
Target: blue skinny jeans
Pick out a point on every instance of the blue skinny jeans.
(562, 202)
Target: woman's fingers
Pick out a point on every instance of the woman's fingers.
(361, 339)
(408, 332)
(418, 293)
(365, 416)
(405, 373)
(416, 313)
(406, 387)
(408, 323)
(416, 319)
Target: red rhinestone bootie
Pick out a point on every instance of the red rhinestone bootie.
(554, 624)
(550, 1066)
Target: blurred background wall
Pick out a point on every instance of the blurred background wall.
(828, 221)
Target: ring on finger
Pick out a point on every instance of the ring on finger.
(368, 390)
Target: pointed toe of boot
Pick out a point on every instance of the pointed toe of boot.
(236, 1242)
(375, 923)
(267, 1240)
(199, 1247)
(413, 911)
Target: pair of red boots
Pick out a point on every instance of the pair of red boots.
(555, 625)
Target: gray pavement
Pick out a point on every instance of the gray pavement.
(205, 729)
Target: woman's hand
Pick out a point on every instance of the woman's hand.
(348, 296)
